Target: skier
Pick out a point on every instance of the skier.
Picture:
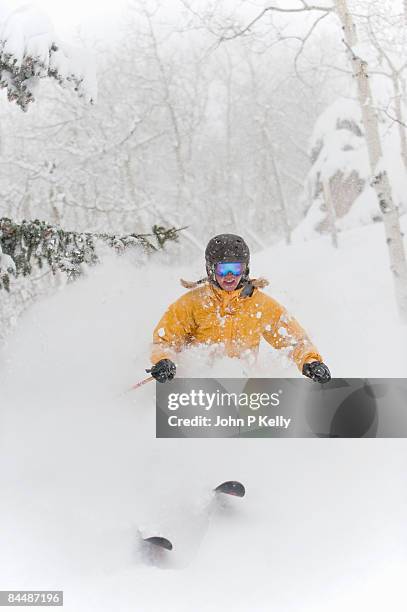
(228, 309)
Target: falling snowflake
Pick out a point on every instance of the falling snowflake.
(161, 332)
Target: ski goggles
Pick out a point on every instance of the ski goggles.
(234, 267)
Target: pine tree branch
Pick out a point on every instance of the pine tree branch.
(30, 244)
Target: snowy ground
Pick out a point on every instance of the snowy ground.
(323, 524)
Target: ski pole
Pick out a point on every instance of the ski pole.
(141, 383)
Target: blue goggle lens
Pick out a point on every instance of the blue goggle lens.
(236, 268)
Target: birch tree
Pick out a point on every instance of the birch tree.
(390, 46)
(380, 179)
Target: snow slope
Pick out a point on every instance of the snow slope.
(323, 524)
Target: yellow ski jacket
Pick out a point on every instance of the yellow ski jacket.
(208, 315)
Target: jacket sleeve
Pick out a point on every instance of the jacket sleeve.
(174, 330)
(283, 331)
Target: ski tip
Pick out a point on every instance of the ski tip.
(231, 487)
(159, 541)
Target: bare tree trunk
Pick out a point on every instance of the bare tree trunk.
(331, 211)
(277, 179)
(396, 79)
(281, 196)
(399, 117)
(310, 194)
(53, 196)
(380, 180)
(268, 147)
(132, 194)
(228, 142)
(182, 195)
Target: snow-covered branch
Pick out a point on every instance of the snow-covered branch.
(23, 245)
(30, 51)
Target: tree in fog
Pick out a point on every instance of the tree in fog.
(313, 15)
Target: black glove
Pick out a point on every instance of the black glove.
(317, 371)
(163, 371)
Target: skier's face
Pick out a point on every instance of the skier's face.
(228, 275)
(228, 282)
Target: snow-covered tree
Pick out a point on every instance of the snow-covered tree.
(31, 51)
(340, 170)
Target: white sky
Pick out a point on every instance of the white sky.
(92, 16)
(73, 12)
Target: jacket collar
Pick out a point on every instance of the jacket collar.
(226, 297)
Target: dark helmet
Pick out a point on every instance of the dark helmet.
(227, 247)
(224, 248)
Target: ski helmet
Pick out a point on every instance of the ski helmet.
(225, 248)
